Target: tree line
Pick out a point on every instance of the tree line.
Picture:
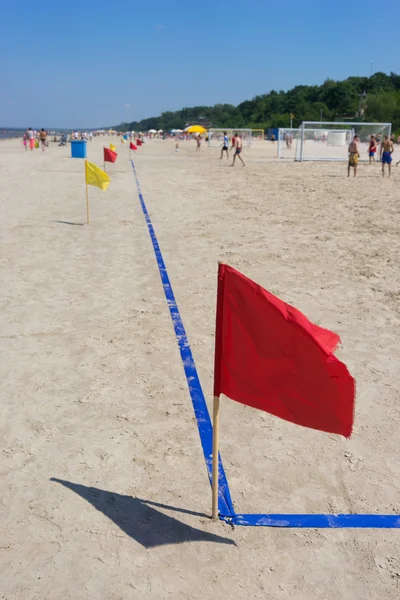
(375, 99)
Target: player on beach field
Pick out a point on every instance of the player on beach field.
(225, 145)
(372, 149)
(198, 143)
(354, 155)
(43, 136)
(387, 149)
(238, 149)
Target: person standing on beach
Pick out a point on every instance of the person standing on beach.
(198, 146)
(225, 146)
(238, 149)
(43, 136)
(31, 137)
(372, 149)
(354, 155)
(25, 141)
(387, 149)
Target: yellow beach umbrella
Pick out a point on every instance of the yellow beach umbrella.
(196, 129)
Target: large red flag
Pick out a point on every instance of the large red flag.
(110, 155)
(268, 355)
(132, 146)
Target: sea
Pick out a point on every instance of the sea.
(7, 132)
(15, 132)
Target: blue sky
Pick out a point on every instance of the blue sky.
(77, 63)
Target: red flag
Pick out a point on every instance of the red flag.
(132, 146)
(139, 142)
(268, 355)
(110, 155)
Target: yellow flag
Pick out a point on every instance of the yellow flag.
(95, 176)
(113, 148)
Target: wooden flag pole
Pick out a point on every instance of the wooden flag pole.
(104, 160)
(215, 451)
(216, 403)
(87, 196)
(87, 204)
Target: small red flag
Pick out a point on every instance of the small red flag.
(110, 155)
(139, 142)
(132, 146)
(268, 355)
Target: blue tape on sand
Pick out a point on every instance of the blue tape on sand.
(196, 393)
(204, 425)
(318, 521)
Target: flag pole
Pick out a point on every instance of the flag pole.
(87, 196)
(104, 160)
(216, 401)
(215, 451)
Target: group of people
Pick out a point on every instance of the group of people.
(82, 135)
(237, 145)
(35, 139)
(387, 149)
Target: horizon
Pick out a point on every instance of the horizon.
(163, 62)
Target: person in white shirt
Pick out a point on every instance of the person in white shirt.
(225, 146)
(31, 138)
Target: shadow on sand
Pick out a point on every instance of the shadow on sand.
(69, 223)
(138, 519)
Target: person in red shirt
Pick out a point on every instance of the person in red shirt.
(372, 149)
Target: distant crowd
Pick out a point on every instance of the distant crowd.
(35, 139)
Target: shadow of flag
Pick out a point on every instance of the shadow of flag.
(141, 521)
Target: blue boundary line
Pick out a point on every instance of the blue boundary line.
(225, 505)
(196, 393)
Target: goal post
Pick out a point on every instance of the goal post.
(216, 136)
(329, 141)
(288, 138)
(257, 134)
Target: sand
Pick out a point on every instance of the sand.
(104, 492)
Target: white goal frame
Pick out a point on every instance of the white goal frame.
(281, 147)
(351, 128)
(218, 135)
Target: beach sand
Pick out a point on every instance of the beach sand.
(104, 491)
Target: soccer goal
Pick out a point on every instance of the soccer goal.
(330, 141)
(216, 136)
(257, 135)
(288, 140)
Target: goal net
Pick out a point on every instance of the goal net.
(288, 140)
(257, 135)
(216, 136)
(330, 141)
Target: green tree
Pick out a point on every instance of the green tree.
(336, 100)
